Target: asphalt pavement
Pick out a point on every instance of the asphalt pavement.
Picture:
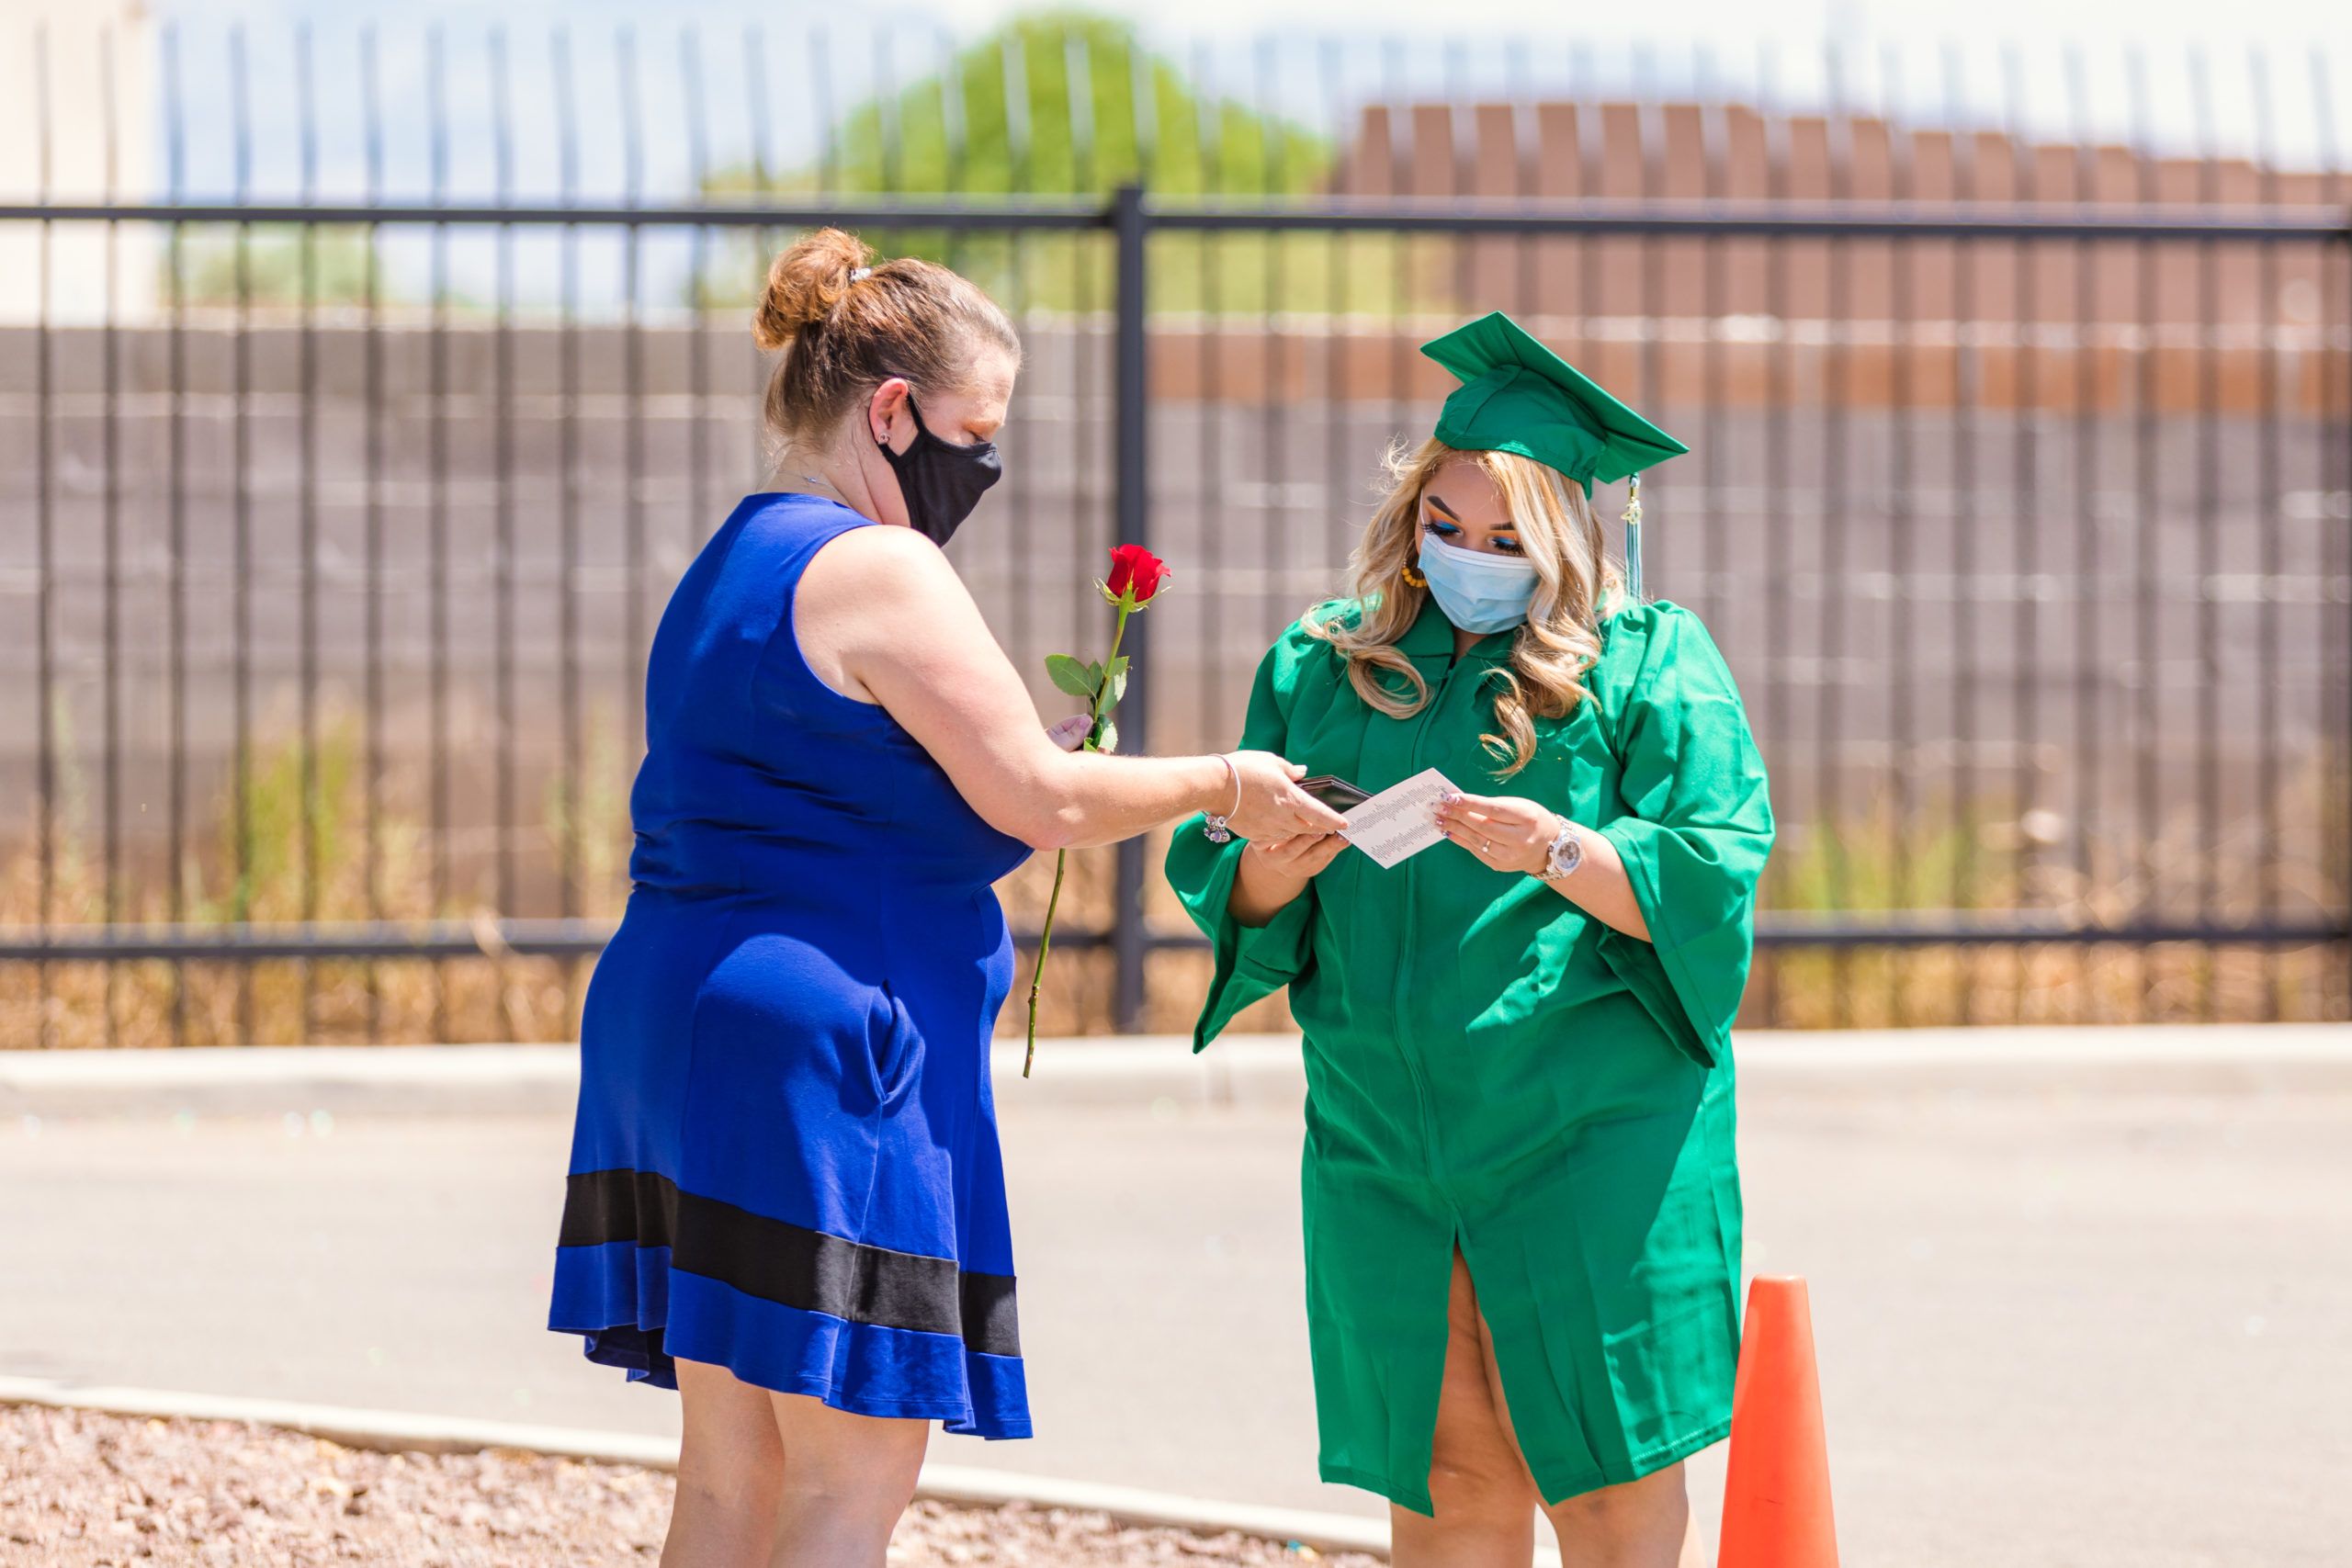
(2062, 1321)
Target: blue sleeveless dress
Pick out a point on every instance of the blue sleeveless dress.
(786, 1158)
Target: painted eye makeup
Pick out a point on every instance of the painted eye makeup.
(1442, 529)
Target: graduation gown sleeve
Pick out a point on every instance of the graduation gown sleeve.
(1252, 961)
(1697, 822)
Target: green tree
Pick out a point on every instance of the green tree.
(1063, 103)
(273, 267)
(1095, 110)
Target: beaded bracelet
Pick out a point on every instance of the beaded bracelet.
(1217, 828)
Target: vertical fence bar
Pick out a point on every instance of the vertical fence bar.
(955, 167)
(697, 399)
(1012, 72)
(889, 165)
(2025, 552)
(45, 524)
(1714, 172)
(1651, 151)
(313, 810)
(820, 104)
(1143, 111)
(1592, 125)
(1837, 398)
(372, 372)
(633, 650)
(2337, 487)
(2335, 492)
(2208, 449)
(756, 113)
(892, 170)
(2089, 618)
(1329, 53)
(1273, 426)
(176, 789)
(766, 241)
(1715, 134)
(503, 457)
(1393, 89)
(1132, 508)
(1207, 143)
(1902, 529)
(2266, 598)
(1078, 103)
(109, 347)
(1526, 150)
(1780, 393)
(2147, 817)
(1967, 383)
(1460, 167)
(240, 520)
(567, 586)
(437, 523)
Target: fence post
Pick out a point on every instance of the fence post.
(1131, 511)
(2343, 471)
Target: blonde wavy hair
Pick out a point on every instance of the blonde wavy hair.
(1578, 587)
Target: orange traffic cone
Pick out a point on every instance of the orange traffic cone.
(1776, 1490)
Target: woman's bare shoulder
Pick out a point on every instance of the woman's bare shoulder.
(879, 567)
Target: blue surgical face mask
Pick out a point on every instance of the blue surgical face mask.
(1477, 591)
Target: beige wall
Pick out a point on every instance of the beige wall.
(1556, 150)
(84, 58)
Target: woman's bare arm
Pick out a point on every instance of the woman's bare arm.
(1513, 833)
(1274, 871)
(883, 615)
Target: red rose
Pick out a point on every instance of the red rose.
(1136, 575)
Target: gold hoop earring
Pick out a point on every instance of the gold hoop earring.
(1413, 579)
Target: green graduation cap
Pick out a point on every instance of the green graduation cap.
(1518, 396)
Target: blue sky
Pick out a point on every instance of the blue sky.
(2171, 20)
(2011, 67)
(699, 80)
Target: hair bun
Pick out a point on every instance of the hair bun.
(805, 283)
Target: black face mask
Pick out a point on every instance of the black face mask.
(940, 481)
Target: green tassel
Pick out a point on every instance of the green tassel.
(1633, 538)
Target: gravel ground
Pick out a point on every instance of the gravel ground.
(82, 1490)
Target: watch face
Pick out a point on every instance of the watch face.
(1565, 854)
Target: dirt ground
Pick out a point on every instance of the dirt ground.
(81, 1490)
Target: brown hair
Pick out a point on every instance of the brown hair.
(844, 334)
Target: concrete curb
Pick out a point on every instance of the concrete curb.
(271, 1079)
(401, 1431)
(1261, 1069)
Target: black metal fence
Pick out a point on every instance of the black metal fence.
(2022, 517)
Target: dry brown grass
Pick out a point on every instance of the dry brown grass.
(1969, 861)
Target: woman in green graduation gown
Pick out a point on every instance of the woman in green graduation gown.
(1523, 1208)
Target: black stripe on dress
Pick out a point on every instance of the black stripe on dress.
(790, 1264)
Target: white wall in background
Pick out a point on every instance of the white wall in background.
(90, 65)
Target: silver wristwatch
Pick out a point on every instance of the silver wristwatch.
(1567, 852)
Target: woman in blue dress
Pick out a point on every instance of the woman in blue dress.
(786, 1196)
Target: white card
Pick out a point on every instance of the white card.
(1400, 821)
